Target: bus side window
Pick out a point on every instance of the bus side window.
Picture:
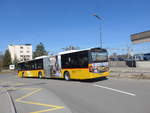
(40, 64)
(83, 60)
(65, 61)
(32, 65)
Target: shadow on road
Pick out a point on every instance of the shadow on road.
(95, 79)
(88, 80)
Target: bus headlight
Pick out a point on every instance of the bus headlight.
(106, 69)
(91, 69)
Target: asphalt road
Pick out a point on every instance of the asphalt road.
(112, 95)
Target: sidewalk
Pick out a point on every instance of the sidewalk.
(126, 72)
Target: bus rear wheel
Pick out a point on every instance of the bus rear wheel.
(40, 74)
(67, 76)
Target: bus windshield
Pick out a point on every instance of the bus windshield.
(99, 56)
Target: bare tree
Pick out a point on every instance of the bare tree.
(70, 48)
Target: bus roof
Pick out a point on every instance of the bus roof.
(40, 57)
(73, 51)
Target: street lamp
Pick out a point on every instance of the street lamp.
(99, 18)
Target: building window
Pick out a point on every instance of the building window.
(28, 51)
(21, 51)
(21, 47)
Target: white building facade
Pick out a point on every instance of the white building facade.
(20, 52)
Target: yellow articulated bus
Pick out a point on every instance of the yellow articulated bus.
(74, 64)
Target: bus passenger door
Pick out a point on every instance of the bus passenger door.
(46, 64)
(55, 67)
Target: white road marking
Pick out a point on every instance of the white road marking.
(131, 94)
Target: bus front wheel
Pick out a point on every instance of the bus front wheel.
(40, 74)
(67, 76)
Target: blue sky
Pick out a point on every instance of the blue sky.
(60, 23)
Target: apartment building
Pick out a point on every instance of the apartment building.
(20, 52)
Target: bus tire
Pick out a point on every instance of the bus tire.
(40, 74)
(66, 76)
(22, 75)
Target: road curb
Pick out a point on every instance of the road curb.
(12, 104)
(130, 75)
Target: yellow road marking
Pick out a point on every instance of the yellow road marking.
(18, 84)
(35, 90)
(47, 110)
(29, 94)
(54, 107)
